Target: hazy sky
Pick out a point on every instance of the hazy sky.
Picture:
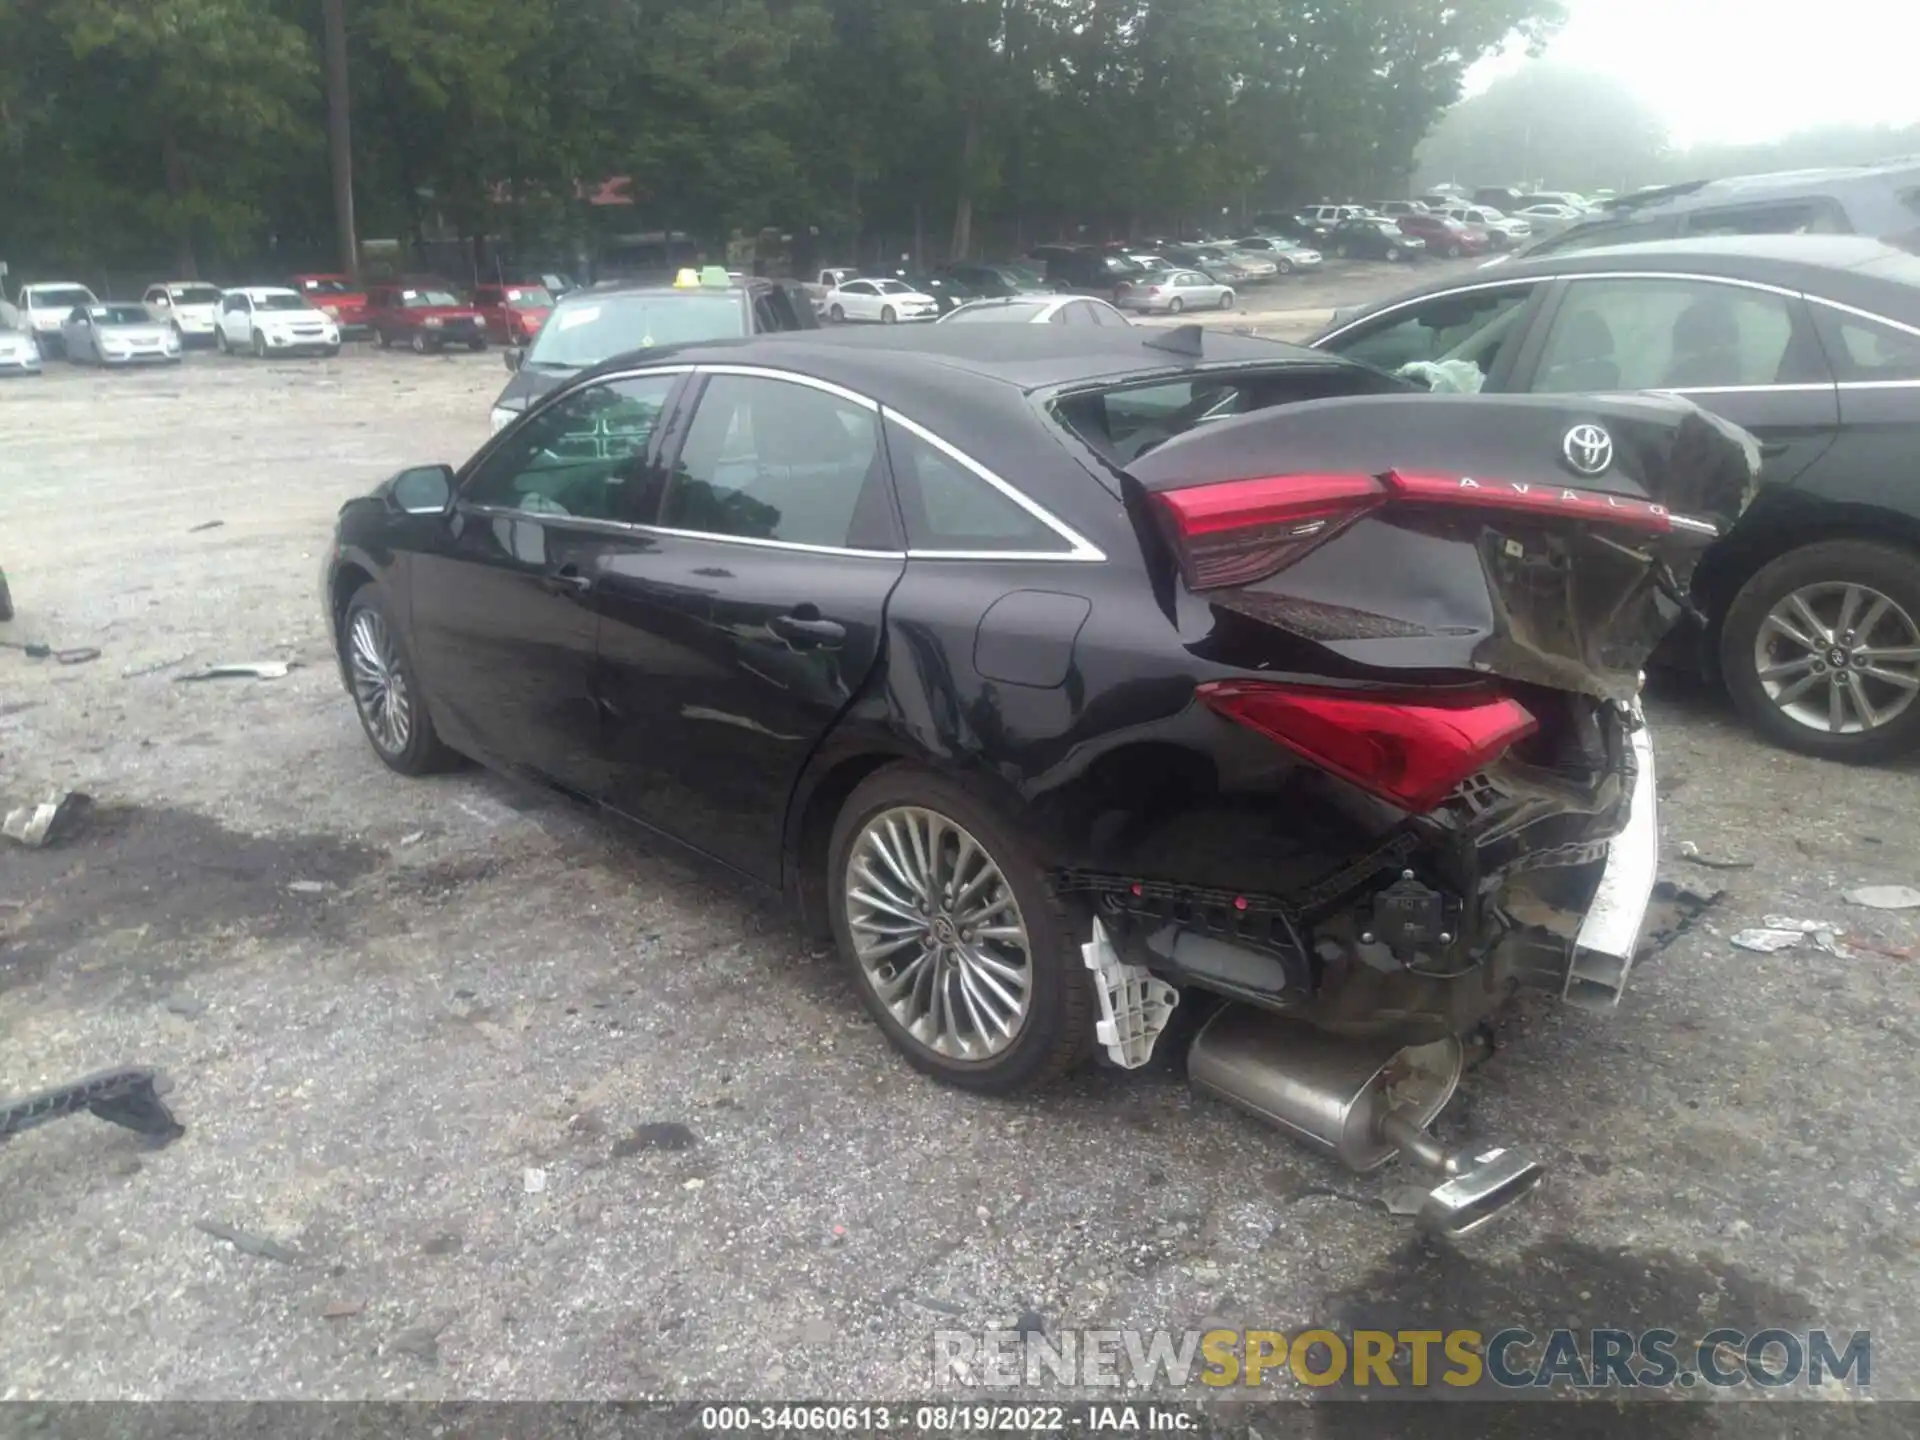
(1747, 69)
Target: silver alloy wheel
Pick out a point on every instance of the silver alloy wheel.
(1839, 657)
(938, 933)
(379, 687)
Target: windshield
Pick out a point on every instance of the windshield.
(422, 299)
(586, 331)
(1018, 312)
(892, 287)
(531, 297)
(122, 315)
(280, 302)
(60, 297)
(1023, 276)
(324, 287)
(195, 295)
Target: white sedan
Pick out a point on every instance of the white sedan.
(887, 301)
(269, 320)
(1036, 310)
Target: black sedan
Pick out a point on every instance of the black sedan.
(1371, 237)
(1051, 667)
(1811, 607)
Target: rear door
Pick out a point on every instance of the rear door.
(1745, 352)
(735, 637)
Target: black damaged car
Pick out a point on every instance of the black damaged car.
(1060, 672)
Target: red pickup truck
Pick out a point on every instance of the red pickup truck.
(339, 297)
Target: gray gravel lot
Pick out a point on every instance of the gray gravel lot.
(450, 1082)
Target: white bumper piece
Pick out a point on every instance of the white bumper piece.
(1603, 951)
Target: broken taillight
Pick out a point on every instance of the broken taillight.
(1240, 531)
(1413, 751)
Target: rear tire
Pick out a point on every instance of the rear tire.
(1283, 267)
(418, 344)
(1393, 253)
(386, 689)
(1453, 252)
(1822, 574)
(1054, 1032)
(476, 345)
(386, 340)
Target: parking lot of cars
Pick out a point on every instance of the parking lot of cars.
(519, 1107)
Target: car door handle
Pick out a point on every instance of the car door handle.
(566, 580)
(807, 628)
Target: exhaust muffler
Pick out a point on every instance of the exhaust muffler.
(1361, 1102)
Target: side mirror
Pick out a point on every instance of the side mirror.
(514, 356)
(422, 490)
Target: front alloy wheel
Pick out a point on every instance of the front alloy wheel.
(384, 692)
(1821, 650)
(964, 956)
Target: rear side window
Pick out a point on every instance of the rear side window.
(1788, 217)
(948, 507)
(1659, 334)
(1865, 350)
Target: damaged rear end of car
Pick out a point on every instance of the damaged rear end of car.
(1426, 616)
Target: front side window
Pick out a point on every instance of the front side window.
(950, 508)
(1474, 327)
(584, 456)
(1866, 350)
(768, 459)
(1665, 335)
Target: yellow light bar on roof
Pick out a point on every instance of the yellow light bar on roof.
(716, 275)
(688, 279)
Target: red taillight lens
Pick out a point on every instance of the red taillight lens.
(1412, 752)
(1236, 533)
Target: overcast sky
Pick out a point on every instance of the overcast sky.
(1747, 69)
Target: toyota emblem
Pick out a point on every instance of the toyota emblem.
(1589, 450)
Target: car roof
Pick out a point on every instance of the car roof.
(256, 291)
(1832, 180)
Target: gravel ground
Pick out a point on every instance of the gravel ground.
(527, 1111)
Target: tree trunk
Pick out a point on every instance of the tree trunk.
(175, 165)
(963, 204)
(340, 136)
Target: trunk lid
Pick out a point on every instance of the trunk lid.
(1547, 540)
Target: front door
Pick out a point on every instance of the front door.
(731, 644)
(503, 604)
(1745, 353)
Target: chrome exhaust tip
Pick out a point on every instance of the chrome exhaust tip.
(1361, 1102)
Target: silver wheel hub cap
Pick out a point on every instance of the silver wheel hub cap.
(938, 933)
(379, 687)
(1839, 658)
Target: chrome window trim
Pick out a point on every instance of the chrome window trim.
(1865, 314)
(1807, 387)
(1685, 275)
(1880, 384)
(792, 377)
(1080, 549)
(627, 527)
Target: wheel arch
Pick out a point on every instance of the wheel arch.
(1727, 567)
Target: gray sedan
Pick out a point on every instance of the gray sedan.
(1174, 291)
(117, 335)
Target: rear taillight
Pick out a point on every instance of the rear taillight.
(1413, 752)
(1240, 531)
(1244, 530)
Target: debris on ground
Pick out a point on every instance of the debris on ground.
(248, 1244)
(1692, 854)
(534, 1182)
(422, 1342)
(188, 1007)
(1766, 941)
(32, 649)
(38, 650)
(308, 887)
(205, 525)
(1884, 897)
(48, 823)
(1805, 927)
(78, 656)
(151, 667)
(243, 670)
(655, 1135)
(343, 1309)
(413, 837)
